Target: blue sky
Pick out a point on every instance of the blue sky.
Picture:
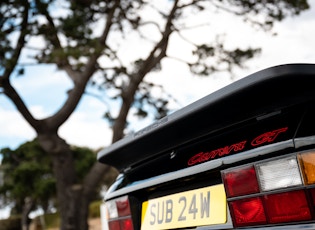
(44, 88)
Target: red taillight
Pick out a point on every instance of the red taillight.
(287, 207)
(122, 224)
(240, 181)
(126, 224)
(114, 225)
(123, 207)
(248, 211)
(119, 214)
(272, 192)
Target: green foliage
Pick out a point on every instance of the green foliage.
(52, 220)
(95, 209)
(215, 57)
(28, 173)
(80, 41)
(84, 159)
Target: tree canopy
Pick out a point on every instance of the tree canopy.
(83, 38)
(27, 174)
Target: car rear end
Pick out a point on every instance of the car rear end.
(240, 158)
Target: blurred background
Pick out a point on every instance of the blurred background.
(76, 76)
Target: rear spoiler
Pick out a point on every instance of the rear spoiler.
(253, 96)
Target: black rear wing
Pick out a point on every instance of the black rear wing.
(254, 97)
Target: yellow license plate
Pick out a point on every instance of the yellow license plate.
(204, 206)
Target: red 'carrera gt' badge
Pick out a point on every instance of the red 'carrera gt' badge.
(236, 147)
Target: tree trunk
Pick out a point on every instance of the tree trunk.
(28, 205)
(73, 206)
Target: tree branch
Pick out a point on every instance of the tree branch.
(64, 63)
(91, 65)
(20, 44)
(10, 92)
(81, 79)
(156, 55)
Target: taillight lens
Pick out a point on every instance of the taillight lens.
(277, 174)
(287, 207)
(249, 211)
(276, 191)
(307, 161)
(119, 214)
(241, 181)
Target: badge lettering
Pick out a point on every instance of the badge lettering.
(205, 156)
(267, 137)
